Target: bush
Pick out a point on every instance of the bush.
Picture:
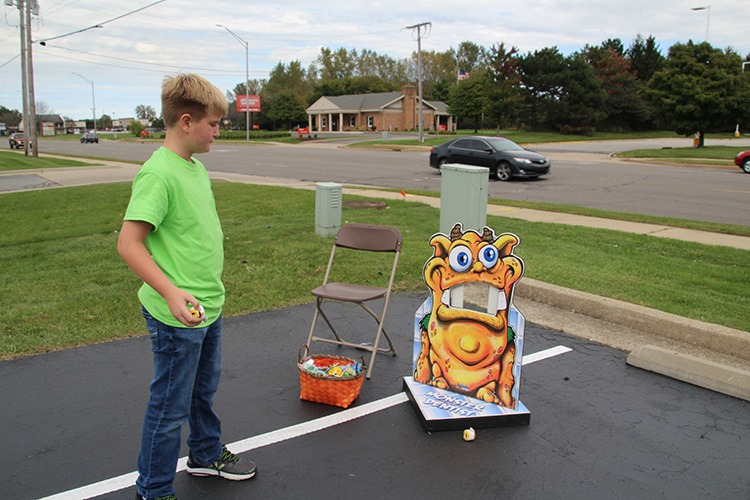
(136, 128)
(254, 134)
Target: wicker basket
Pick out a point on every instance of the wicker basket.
(326, 389)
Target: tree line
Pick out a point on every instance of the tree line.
(694, 88)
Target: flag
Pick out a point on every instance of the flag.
(462, 75)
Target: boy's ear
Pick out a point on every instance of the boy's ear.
(185, 121)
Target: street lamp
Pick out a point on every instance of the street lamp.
(247, 79)
(707, 8)
(93, 100)
(114, 129)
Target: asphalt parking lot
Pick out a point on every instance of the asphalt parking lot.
(599, 428)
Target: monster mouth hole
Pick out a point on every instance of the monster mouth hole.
(476, 296)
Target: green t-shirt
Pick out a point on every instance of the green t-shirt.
(186, 242)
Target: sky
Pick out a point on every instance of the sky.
(127, 57)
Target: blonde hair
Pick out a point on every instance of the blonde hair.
(192, 94)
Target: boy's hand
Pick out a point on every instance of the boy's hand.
(178, 305)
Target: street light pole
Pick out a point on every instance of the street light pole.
(707, 8)
(247, 79)
(93, 100)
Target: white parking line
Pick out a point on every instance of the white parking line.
(128, 480)
(547, 353)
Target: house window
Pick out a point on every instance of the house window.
(370, 121)
(352, 121)
(323, 124)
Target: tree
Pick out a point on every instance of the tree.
(623, 105)
(470, 56)
(287, 109)
(288, 78)
(468, 100)
(158, 123)
(42, 108)
(700, 89)
(645, 57)
(336, 65)
(10, 117)
(145, 112)
(504, 99)
(561, 93)
(439, 70)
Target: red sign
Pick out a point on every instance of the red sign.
(248, 103)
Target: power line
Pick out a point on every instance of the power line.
(99, 25)
(134, 61)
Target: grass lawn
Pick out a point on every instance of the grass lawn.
(18, 161)
(64, 284)
(723, 153)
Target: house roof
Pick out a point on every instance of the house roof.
(49, 119)
(357, 103)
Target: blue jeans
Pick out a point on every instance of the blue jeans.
(187, 368)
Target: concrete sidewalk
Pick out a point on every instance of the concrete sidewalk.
(704, 354)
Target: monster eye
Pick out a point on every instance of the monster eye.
(488, 256)
(460, 259)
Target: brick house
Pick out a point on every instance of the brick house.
(386, 111)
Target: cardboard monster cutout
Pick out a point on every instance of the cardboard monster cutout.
(467, 361)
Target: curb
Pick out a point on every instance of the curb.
(696, 371)
(684, 336)
(705, 336)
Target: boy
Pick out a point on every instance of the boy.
(172, 239)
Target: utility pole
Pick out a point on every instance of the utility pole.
(27, 76)
(32, 138)
(419, 27)
(24, 87)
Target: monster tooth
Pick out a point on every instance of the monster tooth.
(492, 297)
(502, 301)
(446, 297)
(496, 300)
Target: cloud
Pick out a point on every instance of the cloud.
(128, 58)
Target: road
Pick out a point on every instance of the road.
(599, 428)
(582, 174)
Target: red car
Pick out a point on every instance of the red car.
(16, 140)
(742, 160)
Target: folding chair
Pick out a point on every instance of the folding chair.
(368, 238)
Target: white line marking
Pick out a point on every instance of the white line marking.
(547, 353)
(128, 480)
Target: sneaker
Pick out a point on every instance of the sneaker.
(229, 466)
(168, 497)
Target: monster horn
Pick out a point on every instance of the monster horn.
(488, 235)
(456, 232)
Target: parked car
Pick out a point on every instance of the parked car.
(742, 160)
(503, 157)
(15, 140)
(89, 137)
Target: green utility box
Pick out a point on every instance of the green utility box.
(463, 197)
(328, 202)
